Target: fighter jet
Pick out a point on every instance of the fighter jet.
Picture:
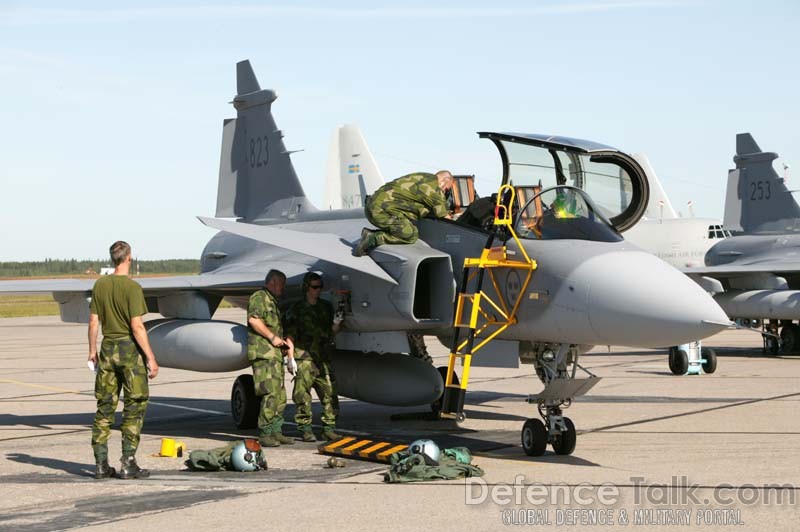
(755, 274)
(588, 285)
(681, 242)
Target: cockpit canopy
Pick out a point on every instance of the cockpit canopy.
(563, 213)
(615, 182)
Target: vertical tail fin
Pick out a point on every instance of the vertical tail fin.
(348, 159)
(658, 206)
(757, 199)
(256, 176)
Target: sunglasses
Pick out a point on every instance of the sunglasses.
(315, 286)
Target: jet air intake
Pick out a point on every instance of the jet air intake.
(425, 286)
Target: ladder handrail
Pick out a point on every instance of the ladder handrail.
(453, 399)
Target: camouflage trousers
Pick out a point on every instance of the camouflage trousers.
(269, 385)
(395, 227)
(319, 377)
(120, 366)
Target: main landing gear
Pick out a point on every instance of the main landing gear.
(556, 367)
(244, 402)
(787, 342)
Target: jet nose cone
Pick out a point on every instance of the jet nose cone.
(660, 306)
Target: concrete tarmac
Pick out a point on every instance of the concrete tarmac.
(721, 450)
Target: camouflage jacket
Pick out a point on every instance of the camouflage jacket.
(264, 306)
(311, 328)
(416, 195)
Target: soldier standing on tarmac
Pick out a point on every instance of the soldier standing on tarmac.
(312, 324)
(118, 304)
(265, 343)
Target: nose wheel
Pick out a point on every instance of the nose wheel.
(564, 442)
(534, 437)
(556, 367)
(561, 435)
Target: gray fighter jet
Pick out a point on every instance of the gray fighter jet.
(756, 273)
(589, 286)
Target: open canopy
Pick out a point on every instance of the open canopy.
(614, 180)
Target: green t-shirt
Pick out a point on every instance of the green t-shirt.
(116, 299)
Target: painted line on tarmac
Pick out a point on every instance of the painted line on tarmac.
(190, 409)
(42, 387)
(79, 392)
(692, 413)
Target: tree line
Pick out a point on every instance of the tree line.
(49, 267)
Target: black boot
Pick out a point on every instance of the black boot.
(366, 244)
(130, 469)
(103, 470)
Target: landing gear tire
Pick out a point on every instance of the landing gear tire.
(564, 443)
(436, 406)
(710, 356)
(678, 361)
(244, 402)
(534, 437)
(772, 345)
(790, 338)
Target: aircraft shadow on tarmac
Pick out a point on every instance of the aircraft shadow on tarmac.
(73, 468)
(46, 421)
(739, 352)
(479, 397)
(219, 428)
(216, 425)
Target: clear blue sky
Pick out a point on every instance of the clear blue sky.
(111, 112)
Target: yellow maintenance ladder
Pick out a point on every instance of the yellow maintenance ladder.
(483, 326)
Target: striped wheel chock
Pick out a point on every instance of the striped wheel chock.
(372, 450)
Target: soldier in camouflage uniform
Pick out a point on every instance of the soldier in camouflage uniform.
(265, 345)
(311, 323)
(395, 207)
(118, 304)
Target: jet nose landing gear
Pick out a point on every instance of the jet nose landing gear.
(556, 369)
(561, 434)
(688, 359)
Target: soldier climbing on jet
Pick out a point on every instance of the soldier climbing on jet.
(395, 207)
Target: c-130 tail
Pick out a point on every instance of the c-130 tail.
(256, 178)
